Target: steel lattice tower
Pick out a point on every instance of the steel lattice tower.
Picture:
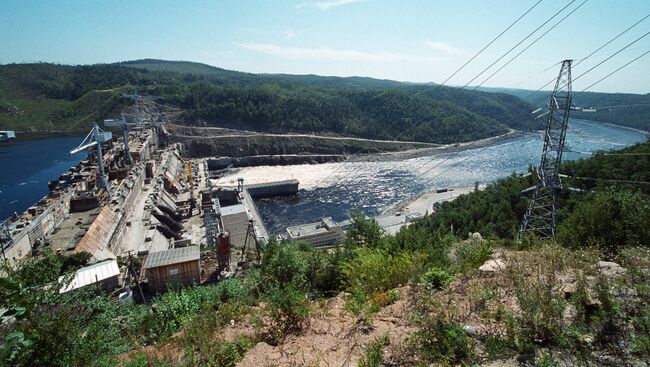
(540, 216)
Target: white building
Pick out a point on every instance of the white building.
(105, 274)
(325, 233)
(235, 221)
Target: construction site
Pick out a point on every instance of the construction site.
(134, 200)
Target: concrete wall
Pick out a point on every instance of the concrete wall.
(270, 189)
(126, 207)
(21, 248)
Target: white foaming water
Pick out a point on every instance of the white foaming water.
(374, 186)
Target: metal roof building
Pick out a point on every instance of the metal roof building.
(176, 266)
(105, 273)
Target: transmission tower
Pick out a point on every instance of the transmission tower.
(540, 217)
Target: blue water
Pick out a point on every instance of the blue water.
(27, 166)
(374, 186)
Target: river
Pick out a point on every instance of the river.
(27, 166)
(375, 186)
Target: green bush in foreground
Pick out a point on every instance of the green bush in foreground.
(440, 340)
(436, 278)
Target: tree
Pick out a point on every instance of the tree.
(609, 219)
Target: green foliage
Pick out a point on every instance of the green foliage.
(472, 254)
(365, 232)
(641, 338)
(495, 211)
(436, 278)
(284, 264)
(374, 352)
(61, 97)
(535, 281)
(374, 271)
(175, 308)
(202, 346)
(440, 340)
(289, 309)
(609, 219)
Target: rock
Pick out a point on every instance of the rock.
(470, 330)
(611, 269)
(569, 314)
(477, 236)
(492, 266)
(569, 289)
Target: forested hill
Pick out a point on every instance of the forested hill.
(47, 97)
(626, 109)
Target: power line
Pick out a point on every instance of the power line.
(634, 154)
(597, 108)
(415, 125)
(531, 44)
(602, 62)
(608, 58)
(488, 45)
(613, 72)
(607, 180)
(536, 74)
(591, 54)
(519, 43)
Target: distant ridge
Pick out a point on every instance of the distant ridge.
(48, 97)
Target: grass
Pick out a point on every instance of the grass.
(374, 355)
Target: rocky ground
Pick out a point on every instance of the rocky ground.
(533, 295)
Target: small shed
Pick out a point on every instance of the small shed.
(176, 266)
(105, 274)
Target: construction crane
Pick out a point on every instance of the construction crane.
(96, 138)
(136, 98)
(125, 131)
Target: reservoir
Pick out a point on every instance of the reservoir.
(27, 166)
(375, 186)
(371, 187)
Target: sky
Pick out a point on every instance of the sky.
(407, 40)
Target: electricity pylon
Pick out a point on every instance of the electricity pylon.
(540, 216)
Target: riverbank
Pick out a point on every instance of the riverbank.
(423, 203)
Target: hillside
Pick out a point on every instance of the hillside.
(47, 97)
(625, 109)
(424, 296)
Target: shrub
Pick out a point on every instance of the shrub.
(289, 309)
(364, 232)
(436, 278)
(373, 271)
(472, 254)
(538, 298)
(641, 339)
(374, 352)
(176, 307)
(609, 219)
(232, 290)
(284, 263)
(438, 339)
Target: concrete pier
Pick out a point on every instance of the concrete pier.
(270, 189)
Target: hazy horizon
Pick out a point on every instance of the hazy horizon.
(415, 41)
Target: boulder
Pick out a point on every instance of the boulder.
(611, 269)
(492, 266)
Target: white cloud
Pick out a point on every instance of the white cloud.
(442, 47)
(326, 53)
(289, 34)
(326, 5)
